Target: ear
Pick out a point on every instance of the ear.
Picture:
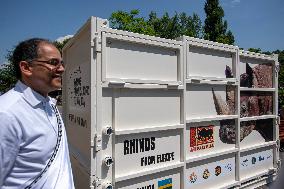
(25, 69)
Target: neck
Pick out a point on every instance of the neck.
(38, 90)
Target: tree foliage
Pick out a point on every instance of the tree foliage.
(215, 29)
(280, 77)
(59, 45)
(164, 26)
(256, 50)
(7, 76)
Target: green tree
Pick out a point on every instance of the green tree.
(59, 45)
(130, 22)
(215, 29)
(280, 77)
(256, 50)
(7, 76)
(165, 26)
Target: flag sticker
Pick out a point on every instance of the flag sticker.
(165, 184)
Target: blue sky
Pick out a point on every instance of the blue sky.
(254, 23)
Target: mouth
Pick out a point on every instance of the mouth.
(57, 76)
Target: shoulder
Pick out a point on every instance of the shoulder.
(9, 100)
(11, 131)
(9, 125)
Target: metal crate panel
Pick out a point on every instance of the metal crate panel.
(138, 60)
(210, 137)
(212, 173)
(256, 161)
(146, 151)
(203, 100)
(142, 108)
(162, 180)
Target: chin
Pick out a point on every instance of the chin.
(57, 84)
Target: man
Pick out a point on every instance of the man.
(33, 145)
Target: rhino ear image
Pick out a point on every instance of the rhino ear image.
(227, 131)
(228, 72)
(249, 71)
(264, 127)
(246, 79)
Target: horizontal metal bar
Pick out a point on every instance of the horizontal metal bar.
(257, 177)
(210, 118)
(271, 143)
(132, 35)
(210, 44)
(229, 185)
(258, 89)
(258, 117)
(211, 155)
(149, 129)
(142, 81)
(152, 171)
(211, 78)
(141, 86)
(256, 55)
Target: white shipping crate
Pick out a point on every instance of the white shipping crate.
(150, 113)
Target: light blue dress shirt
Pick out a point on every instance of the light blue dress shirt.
(28, 134)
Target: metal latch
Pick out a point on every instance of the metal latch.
(96, 183)
(231, 82)
(278, 120)
(116, 83)
(97, 143)
(278, 143)
(195, 80)
(174, 84)
(97, 43)
(277, 69)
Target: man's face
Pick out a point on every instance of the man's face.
(46, 77)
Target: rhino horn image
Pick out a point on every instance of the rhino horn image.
(221, 106)
(227, 131)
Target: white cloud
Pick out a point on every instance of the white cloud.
(61, 39)
(236, 1)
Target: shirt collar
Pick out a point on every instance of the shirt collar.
(31, 96)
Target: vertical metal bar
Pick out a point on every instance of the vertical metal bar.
(237, 121)
(275, 110)
(183, 110)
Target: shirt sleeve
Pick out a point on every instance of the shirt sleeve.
(9, 144)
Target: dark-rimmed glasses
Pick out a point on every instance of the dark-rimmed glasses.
(54, 62)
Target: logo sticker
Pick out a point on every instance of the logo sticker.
(192, 177)
(245, 163)
(165, 184)
(218, 170)
(260, 158)
(253, 160)
(206, 174)
(201, 138)
(229, 167)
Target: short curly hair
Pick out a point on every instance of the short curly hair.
(25, 51)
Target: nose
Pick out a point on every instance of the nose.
(60, 68)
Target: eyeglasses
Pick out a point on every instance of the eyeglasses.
(54, 62)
